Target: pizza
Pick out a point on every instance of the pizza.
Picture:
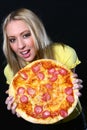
(43, 91)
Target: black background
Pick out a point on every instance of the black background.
(65, 21)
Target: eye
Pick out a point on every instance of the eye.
(27, 35)
(11, 40)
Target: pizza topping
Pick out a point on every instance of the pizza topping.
(20, 90)
(31, 91)
(40, 75)
(24, 99)
(46, 97)
(62, 71)
(46, 114)
(51, 70)
(38, 109)
(56, 72)
(36, 68)
(70, 98)
(53, 78)
(48, 86)
(63, 113)
(69, 90)
(23, 75)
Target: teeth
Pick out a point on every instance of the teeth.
(25, 52)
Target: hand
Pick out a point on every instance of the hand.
(77, 84)
(11, 105)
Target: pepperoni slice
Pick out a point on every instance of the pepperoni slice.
(40, 75)
(56, 72)
(53, 78)
(62, 71)
(48, 86)
(46, 114)
(36, 68)
(70, 98)
(46, 97)
(31, 91)
(23, 75)
(20, 90)
(38, 109)
(24, 99)
(63, 113)
(51, 70)
(69, 90)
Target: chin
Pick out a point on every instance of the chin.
(29, 59)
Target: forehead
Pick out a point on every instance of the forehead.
(16, 26)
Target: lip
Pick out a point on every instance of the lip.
(25, 54)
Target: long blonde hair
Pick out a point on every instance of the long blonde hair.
(37, 30)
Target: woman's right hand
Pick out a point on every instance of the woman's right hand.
(11, 105)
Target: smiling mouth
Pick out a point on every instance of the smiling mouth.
(25, 54)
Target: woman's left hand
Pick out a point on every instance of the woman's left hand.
(77, 84)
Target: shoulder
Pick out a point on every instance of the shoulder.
(65, 54)
(63, 47)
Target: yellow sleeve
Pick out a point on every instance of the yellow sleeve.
(66, 55)
(8, 74)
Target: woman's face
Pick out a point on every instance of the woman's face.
(20, 39)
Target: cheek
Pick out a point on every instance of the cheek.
(13, 47)
(31, 42)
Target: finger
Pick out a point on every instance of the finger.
(74, 75)
(13, 108)
(7, 92)
(79, 81)
(9, 105)
(76, 86)
(8, 99)
(18, 115)
(78, 94)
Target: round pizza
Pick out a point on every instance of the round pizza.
(43, 91)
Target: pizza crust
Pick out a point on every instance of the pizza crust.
(48, 120)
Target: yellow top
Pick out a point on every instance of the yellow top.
(67, 56)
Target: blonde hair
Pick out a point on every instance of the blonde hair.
(37, 30)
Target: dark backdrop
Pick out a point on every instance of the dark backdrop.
(65, 21)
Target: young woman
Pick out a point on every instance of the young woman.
(25, 40)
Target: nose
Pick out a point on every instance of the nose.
(21, 43)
